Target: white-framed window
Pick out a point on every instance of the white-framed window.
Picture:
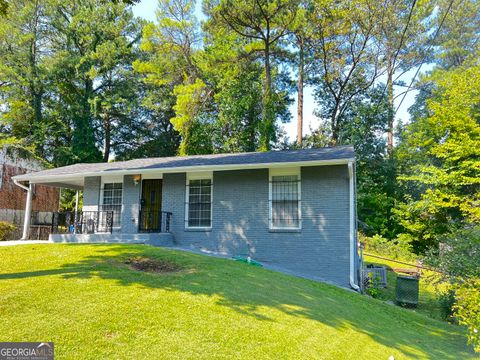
(111, 196)
(198, 202)
(285, 199)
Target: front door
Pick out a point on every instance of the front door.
(151, 206)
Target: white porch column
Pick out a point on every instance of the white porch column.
(75, 217)
(28, 213)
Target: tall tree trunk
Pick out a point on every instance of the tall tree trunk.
(391, 115)
(300, 94)
(107, 128)
(36, 91)
(334, 123)
(391, 177)
(84, 141)
(266, 108)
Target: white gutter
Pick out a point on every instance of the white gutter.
(352, 226)
(16, 182)
(107, 172)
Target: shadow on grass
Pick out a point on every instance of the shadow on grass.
(247, 289)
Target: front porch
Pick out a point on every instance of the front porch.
(98, 227)
(107, 209)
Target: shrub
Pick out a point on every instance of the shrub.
(373, 285)
(467, 310)
(396, 249)
(5, 229)
(458, 256)
(446, 300)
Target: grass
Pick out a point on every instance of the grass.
(428, 287)
(94, 306)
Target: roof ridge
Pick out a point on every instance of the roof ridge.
(235, 153)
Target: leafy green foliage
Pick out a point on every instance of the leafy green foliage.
(68, 200)
(97, 69)
(399, 248)
(189, 120)
(260, 26)
(3, 7)
(5, 229)
(441, 159)
(373, 286)
(362, 125)
(346, 66)
(458, 257)
(446, 300)
(68, 87)
(467, 310)
(458, 38)
(239, 110)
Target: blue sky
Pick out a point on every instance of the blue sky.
(146, 10)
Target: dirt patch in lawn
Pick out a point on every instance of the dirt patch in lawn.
(146, 264)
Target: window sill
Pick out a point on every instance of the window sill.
(198, 229)
(285, 230)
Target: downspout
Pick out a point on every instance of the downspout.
(28, 209)
(353, 247)
(22, 186)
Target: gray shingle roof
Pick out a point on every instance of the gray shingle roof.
(286, 156)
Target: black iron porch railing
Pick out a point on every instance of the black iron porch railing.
(84, 222)
(117, 211)
(154, 221)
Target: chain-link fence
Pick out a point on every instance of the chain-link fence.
(40, 223)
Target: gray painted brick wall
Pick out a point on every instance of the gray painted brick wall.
(91, 193)
(130, 205)
(240, 221)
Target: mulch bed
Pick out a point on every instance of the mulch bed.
(151, 265)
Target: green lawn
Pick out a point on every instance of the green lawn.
(92, 305)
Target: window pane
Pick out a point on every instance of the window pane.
(285, 214)
(112, 200)
(194, 191)
(199, 203)
(285, 202)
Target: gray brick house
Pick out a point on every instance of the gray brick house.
(293, 210)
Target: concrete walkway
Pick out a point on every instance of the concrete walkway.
(23, 242)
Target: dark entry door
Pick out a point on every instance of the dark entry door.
(151, 206)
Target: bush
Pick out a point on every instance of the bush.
(446, 300)
(5, 229)
(458, 254)
(373, 285)
(467, 310)
(458, 257)
(396, 249)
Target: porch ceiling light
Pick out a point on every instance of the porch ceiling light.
(137, 178)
